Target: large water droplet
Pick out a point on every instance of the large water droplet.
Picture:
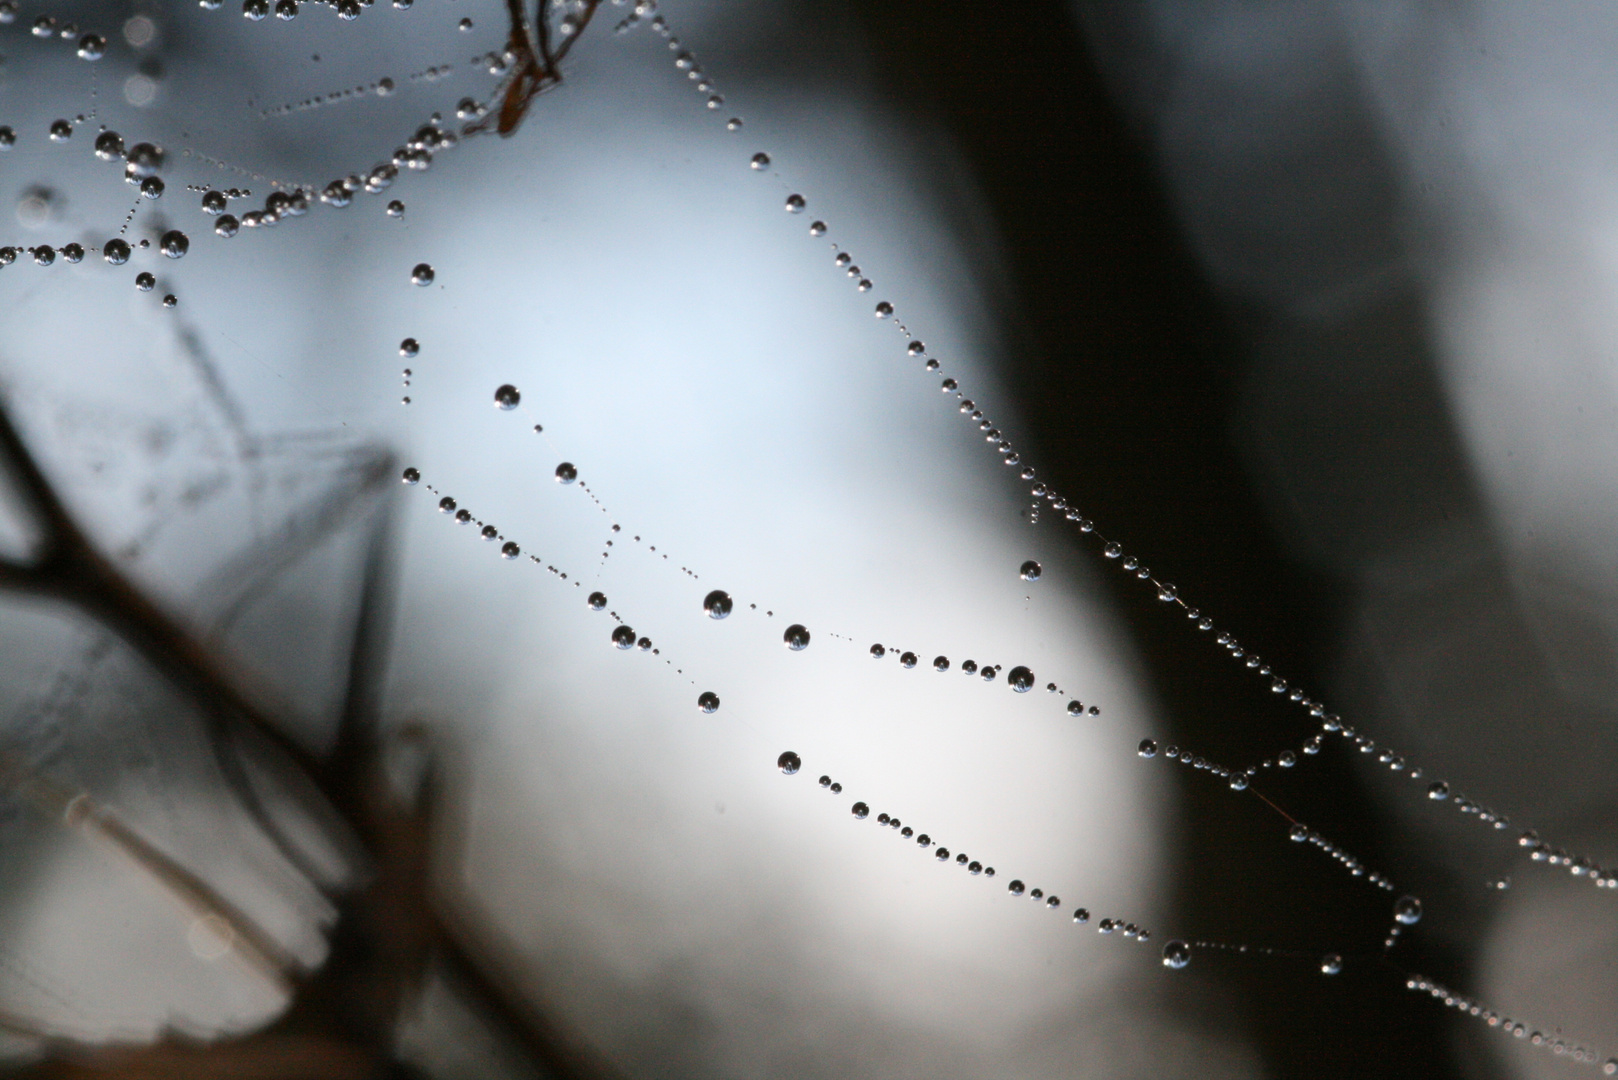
(860, 810)
(227, 226)
(510, 550)
(145, 282)
(623, 637)
(940, 663)
(1176, 954)
(1407, 910)
(795, 204)
(109, 146)
(143, 159)
(908, 659)
(761, 161)
(1147, 748)
(1331, 964)
(115, 251)
(566, 473)
(796, 638)
(1021, 679)
(1112, 551)
(1438, 791)
(883, 309)
(422, 274)
(597, 601)
(1030, 570)
(878, 652)
(717, 604)
(61, 131)
(410, 476)
(507, 397)
(92, 47)
(1016, 888)
(175, 244)
(789, 762)
(708, 702)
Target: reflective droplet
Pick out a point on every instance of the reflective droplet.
(1331, 964)
(145, 282)
(227, 226)
(860, 810)
(1238, 782)
(884, 309)
(421, 275)
(566, 473)
(175, 244)
(1016, 888)
(214, 202)
(796, 638)
(908, 660)
(1030, 570)
(1176, 954)
(115, 251)
(92, 47)
(878, 652)
(969, 666)
(1075, 708)
(1286, 759)
(1407, 910)
(1081, 915)
(446, 505)
(708, 702)
(152, 187)
(507, 397)
(1299, 833)
(44, 255)
(1021, 679)
(1438, 791)
(409, 347)
(510, 550)
(61, 131)
(790, 763)
(761, 161)
(940, 663)
(1147, 748)
(794, 204)
(624, 638)
(109, 146)
(597, 601)
(817, 228)
(410, 476)
(396, 208)
(1167, 593)
(143, 160)
(8, 138)
(717, 604)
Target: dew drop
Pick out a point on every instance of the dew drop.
(624, 638)
(860, 810)
(940, 663)
(410, 476)
(396, 208)
(1112, 551)
(1075, 708)
(1021, 679)
(908, 660)
(878, 652)
(227, 227)
(708, 702)
(596, 601)
(145, 282)
(1438, 792)
(794, 204)
(1167, 593)
(409, 347)
(883, 309)
(115, 251)
(421, 275)
(717, 604)
(1016, 888)
(507, 397)
(175, 244)
(969, 666)
(152, 187)
(1030, 570)
(1286, 759)
(1176, 954)
(817, 228)
(92, 47)
(1331, 964)
(761, 160)
(446, 505)
(1147, 748)
(144, 159)
(796, 638)
(789, 762)
(1299, 833)
(1081, 915)
(1407, 910)
(566, 473)
(61, 131)
(109, 145)
(8, 138)
(510, 550)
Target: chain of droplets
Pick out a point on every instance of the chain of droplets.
(91, 46)
(622, 635)
(1516, 1029)
(790, 763)
(1578, 866)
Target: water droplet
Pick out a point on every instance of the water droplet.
(8, 138)
(1075, 708)
(109, 145)
(790, 763)
(1331, 964)
(227, 226)
(860, 810)
(883, 309)
(761, 160)
(624, 638)
(1147, 748)
(92, 47)
(144, 159)
(1286, 759)
(422, 274)
(1238, 782)
(465, 25)
(1176, 954)
(409, 347)
(1167, 593)
(969, 666)
(878, 652)
(411, 476)
(1021, 679)
(940, 663)
(717, 604)
(1016, 888)
(795, 204)
(44, 255)
(213, 202)
(1299, 833)
(796, 638)
(396, 208)
(446, 505)
(566, 473)
(708, 702)
(61, 131)
(1030, 570)
(817, 228)
(507, 397)
(152, 187)
(597, 601)
(1407, 910)
(175, 244)
(115, 251)
(1438, 792)
(1112, 551)
(908, 660)
(145, 282)
(510, 550)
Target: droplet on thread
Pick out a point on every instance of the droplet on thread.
(789, 762)
(1030, 570)
(566, 473)
(717, 604)
(760, 161)
(796, 637)
(507, 397)
(708, 702)
(1176, 954)
(422, 275)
